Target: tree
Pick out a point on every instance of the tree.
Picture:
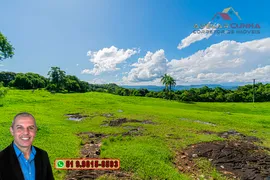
(126, 92)
(28, 81)
(204, 90)
(6, 49)
(57, 77)
(136, 92)
(220, 98)
(22, 81)
(37, 80)
(168, 81)
(172, 83)
(143, 91)
(6, 77)
(186, 96)
(72, 84)
(161, 94)
(84, 86)
(112, 88)
(150, 94)
(165, 80)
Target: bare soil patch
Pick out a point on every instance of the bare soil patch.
(233, 133)
(91, 143)
(198, 121)
(237, 159)
(120, 121)
(76, 116)
(134, 131)
(108, 115)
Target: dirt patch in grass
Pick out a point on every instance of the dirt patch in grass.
(91, 143)
(76, 116)
(232, 134)
(120, 121)
(198, 121)
(236, 159)
(108, 115)
(134, 131)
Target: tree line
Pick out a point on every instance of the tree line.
(58, 81)
(204, 94)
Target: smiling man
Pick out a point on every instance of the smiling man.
(21, 160)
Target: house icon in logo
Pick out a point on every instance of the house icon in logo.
(226, 14)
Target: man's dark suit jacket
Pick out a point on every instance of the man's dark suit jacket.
(10, 167)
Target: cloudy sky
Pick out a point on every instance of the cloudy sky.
(135, 42)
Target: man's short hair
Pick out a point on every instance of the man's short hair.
(23, 114)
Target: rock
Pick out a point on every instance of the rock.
(194, 155)
(182, 157)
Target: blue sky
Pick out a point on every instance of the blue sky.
(135, 42)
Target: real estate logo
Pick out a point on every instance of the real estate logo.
(226, 14)
(227, 22)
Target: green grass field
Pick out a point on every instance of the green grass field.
(147, 156)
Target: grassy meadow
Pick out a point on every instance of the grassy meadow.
(147, 156)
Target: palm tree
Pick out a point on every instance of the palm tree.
(165, 80)
(168, 81)
(171, 83)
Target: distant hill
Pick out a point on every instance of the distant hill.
(160, 88)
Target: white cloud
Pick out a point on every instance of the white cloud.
(194, 37)
(86, 71)
(97, 81)
(228, 61)
(262, 74)
(148, 68)
(107, 59)
(155, 82)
